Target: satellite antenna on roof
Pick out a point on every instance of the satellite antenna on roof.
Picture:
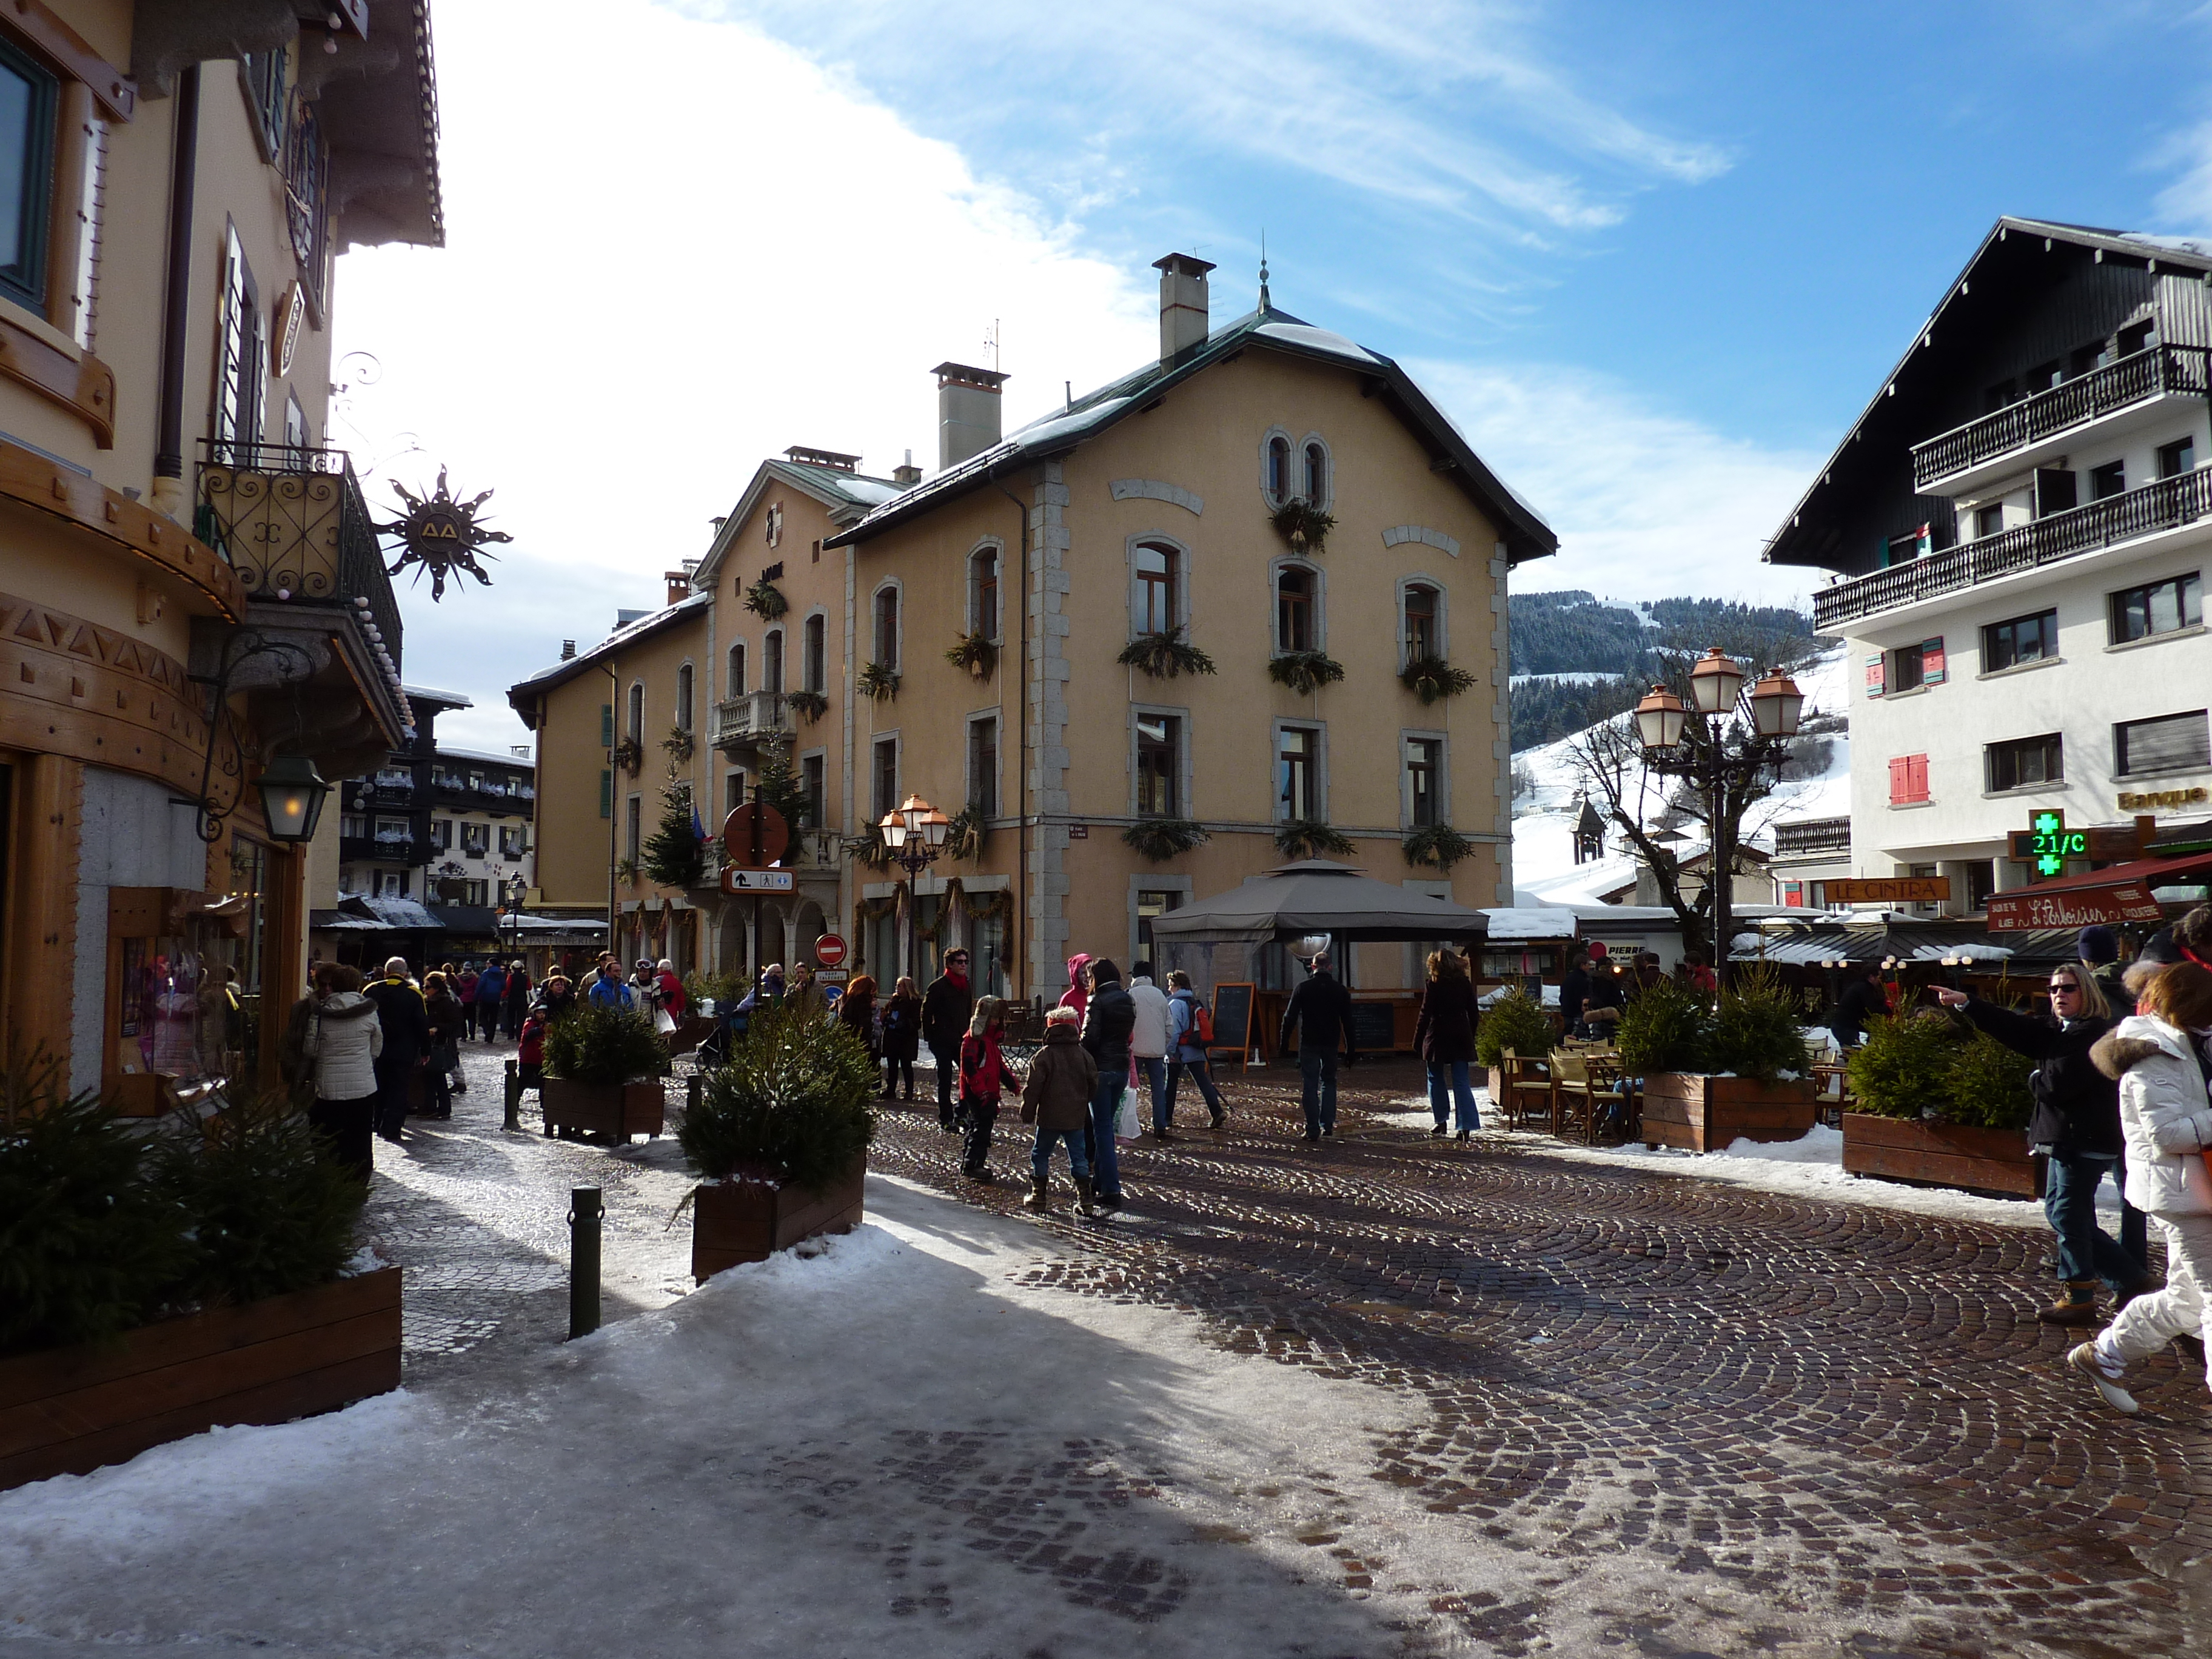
(1263, 269)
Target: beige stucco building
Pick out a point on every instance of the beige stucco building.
(189, 590)
(1268, 494)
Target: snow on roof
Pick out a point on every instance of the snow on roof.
(1317, 339)
(1517, 923)
(646, 624)
(431, 694)
(452, 751)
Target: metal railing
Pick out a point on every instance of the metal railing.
(2140, 512)
(2151, 373)
(751, 717)
(306, 197)
(1812, 836)
(293, 524)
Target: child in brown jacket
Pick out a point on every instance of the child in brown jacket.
(1057, 1099)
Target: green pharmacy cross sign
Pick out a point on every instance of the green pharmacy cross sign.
(2051, 843)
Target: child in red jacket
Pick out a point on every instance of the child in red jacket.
(530, 1052)
(984, 1075)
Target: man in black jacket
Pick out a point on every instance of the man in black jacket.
(1861, 999)
(406, 1024)
(1574, 988)
(1320, 1012)
(1108, 1021)
(946, 1008)
(2077, 1121)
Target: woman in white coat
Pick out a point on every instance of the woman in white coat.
(344, 1038)
(2166, 1116)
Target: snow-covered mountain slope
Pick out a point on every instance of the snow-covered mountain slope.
(1546, 802)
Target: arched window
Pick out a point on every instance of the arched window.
(1294, 609)
(735, 670)
(772, 661)
(1422, 636)
(983, 592)
(683, 682)
(815, 666)
(1317, 474)
(633, 727)
(1156, 589)
(1278, 468)
(887, 627)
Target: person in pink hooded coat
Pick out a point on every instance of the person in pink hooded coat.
(1077, 995)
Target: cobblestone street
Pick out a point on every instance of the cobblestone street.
(1805, 1412)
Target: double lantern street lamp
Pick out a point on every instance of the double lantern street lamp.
(916, 834)
(1730, 762)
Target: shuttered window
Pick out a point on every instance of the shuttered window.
(1908, 779)
(2169, 744)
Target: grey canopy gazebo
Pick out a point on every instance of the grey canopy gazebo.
(1314, 895)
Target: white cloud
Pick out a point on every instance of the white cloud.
(1648, 505)
(639, 302)
(2186, 204)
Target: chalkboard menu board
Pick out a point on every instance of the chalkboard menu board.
(1374, 1027)
(1233, 1017)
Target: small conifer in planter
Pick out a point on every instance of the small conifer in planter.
(1754, 1031)
(1515, 1021)
(1903, 1068)
(1164, 656)
(1665, 1029)
(813, 705)
(1430, 678)
(878, 682)
(673, 856)
(603, 1071)
(1162, 839)
(780, 1139)
(1304, 671)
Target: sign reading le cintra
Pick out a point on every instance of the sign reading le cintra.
(1891, 889)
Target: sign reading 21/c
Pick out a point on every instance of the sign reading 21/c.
(2052, 843)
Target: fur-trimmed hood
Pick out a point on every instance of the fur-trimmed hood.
(2135, 1039)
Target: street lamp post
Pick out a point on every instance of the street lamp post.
(916, 834)
(515, 890)
(1725, 741)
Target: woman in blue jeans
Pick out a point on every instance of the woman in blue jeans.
(2076, 1120)
(1185, 1052)
(1444, 1037)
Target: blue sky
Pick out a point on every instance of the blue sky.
(1653, 259)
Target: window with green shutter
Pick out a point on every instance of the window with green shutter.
(607, 788)
(606, 728)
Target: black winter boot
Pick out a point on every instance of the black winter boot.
(1040, 1195)
(1083, 1195)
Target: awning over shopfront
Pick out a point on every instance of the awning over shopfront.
(2120, 893)
(1317, 896)
(1813, 944)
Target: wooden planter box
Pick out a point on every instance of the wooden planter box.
(1699, 1113)
(613, 1111)
(1941, 1155)
(751, 1220)
(68, 1411)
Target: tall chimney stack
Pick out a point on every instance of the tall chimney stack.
(967, 404)
(1184, 305)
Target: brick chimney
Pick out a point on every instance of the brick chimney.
(679, 584)
(906, 475)
(968, 405)
(1184, 305)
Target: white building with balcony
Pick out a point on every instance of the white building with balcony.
(2019, 527)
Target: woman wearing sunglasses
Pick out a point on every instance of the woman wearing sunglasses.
(2076, 1122)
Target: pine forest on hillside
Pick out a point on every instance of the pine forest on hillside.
(1577, 660)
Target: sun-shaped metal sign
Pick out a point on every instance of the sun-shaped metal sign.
(442, 535)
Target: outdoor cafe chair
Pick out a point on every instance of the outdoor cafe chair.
(1528, 1083)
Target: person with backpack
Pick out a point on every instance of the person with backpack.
(984, 1078)
(1190, 1036)
(491, 987)
(901, 1038)
(1148, 1044)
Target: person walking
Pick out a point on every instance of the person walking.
(1443, 1037)
(1574, 989)
(1861, 999)
(406, 1041)
(984, 1078)
(608, 990)
(515, 1002)
(1190, 1029)
(668, 992)
(858, 1014)
(491, 988)
(442, 1009)
(2076, 1124)
(344, 1037)
(946, 1008)
(1148, 1044)
(1078, 993)
(1320, 1012)
(465, 987)
(1056, 1097)
(1109, 1016)
(530, 1049)
(2155, 1055)
(557, 997)
(902, 1025)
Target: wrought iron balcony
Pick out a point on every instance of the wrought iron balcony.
(2144, 511)
(1810, 835)
(294, 526)
(2159, 371)
(747, 721)
(380, 850)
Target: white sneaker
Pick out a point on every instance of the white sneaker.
(2084, 1360)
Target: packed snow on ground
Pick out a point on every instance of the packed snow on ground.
(1544, 868)
(1810, 1167)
